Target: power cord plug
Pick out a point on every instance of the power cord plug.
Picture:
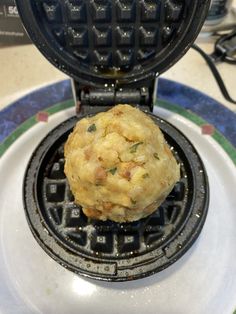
(225, 51)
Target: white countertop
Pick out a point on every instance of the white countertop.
(23, 68)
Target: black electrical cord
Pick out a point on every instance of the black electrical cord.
(225, 48)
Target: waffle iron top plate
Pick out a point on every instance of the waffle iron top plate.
(122, 42)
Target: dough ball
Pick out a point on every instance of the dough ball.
(118, 165)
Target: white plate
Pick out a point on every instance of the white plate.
(203, 281)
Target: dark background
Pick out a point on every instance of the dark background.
(11, 29)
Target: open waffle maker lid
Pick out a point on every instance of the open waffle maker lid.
(120, 42)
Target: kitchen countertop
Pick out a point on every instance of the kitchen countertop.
(23, 69)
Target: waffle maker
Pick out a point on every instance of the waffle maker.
(114, 52)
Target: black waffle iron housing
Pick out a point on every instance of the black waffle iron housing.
(109, 250)
(114, 50)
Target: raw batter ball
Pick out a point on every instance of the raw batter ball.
(118, 165)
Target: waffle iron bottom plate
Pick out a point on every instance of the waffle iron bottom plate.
(107, 250)
(201, 281)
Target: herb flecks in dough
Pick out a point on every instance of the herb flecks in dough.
(133, 148)
(112, 170)
(155, 155)
(92, 128)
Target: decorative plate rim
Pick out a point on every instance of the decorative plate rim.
(26, 125)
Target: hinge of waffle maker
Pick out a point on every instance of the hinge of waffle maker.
(94, 99)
